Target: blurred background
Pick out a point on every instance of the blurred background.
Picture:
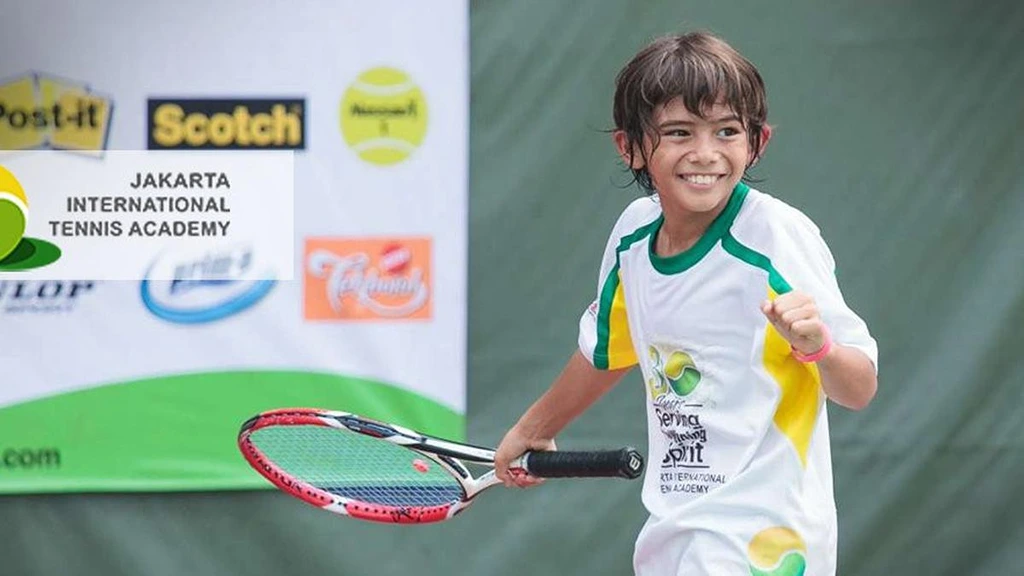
(899, 131)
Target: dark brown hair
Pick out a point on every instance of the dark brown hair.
(699, 68)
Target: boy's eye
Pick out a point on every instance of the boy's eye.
(728, 131)
(678, 132)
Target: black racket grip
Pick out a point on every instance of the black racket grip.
(623, 463)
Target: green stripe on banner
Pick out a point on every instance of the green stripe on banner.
(179, 432)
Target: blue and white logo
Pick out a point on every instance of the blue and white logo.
(205, 287)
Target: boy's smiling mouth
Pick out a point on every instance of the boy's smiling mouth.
(701, 179)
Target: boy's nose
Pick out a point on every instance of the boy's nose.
(703, 152)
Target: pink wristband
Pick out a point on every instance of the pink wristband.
(825, 349)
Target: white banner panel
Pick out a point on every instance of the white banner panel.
(141, 382)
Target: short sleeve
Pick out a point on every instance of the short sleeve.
(604, 337)
(804, 260)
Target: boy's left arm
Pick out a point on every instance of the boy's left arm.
(848, 376)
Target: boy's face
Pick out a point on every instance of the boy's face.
(698, 161)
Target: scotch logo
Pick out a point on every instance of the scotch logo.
(227, 124)
(38, 111)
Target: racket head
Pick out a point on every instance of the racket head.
(355, 466)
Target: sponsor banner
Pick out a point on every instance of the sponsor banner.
(172, 216)
(185, 242)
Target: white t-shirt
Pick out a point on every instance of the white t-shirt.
(739, 474)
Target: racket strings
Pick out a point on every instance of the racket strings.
(356, 466)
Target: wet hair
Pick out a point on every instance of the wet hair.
(697, 67)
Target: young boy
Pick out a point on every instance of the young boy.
(727, 300)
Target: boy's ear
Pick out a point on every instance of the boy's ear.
(631, 158)
(766, 135)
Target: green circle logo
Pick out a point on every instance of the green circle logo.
(383, 116)
(678, 373)
(16, 251)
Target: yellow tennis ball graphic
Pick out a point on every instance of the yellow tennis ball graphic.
(777, 551)
(13, 212)
(383, 116)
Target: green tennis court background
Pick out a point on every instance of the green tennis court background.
(900, 130)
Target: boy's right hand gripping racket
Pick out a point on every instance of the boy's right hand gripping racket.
(375, 471)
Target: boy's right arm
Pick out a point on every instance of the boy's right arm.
(578, 386)
(581, 382)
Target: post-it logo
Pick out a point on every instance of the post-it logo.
(39, 111)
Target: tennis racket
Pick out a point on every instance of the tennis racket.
(371, 470)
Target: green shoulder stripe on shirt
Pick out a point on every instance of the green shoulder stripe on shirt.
(603, 315)
(758, 260)
(611, 285)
